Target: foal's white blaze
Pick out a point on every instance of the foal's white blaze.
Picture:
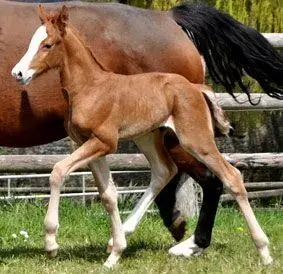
(21, 70)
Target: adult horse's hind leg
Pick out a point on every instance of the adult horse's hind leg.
(162, 170)
(193, 125)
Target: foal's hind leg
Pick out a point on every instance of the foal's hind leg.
(196, 136)
(162, 170)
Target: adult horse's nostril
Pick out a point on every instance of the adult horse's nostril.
(20, 75)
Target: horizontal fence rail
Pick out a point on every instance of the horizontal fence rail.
(264, 102)
(128, 162)
(125, 163)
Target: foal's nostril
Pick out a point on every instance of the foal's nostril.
(20, 75)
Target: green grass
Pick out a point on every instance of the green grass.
(84, 232)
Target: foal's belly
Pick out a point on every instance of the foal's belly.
(138, 129)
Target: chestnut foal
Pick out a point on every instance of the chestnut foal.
(105, 107)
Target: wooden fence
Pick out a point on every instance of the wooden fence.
(137, 162)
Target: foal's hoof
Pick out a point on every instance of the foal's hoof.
(267, 261)
(265, 255)
(52, 253)
(108, 265)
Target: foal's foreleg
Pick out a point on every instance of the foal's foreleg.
(90, 150)
(108, 195)
(162, 170)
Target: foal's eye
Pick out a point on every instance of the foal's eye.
(47, 46)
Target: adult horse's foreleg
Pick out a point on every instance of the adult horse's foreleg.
(87, 152)
(162, 170)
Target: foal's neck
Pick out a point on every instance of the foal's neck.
(80, 68)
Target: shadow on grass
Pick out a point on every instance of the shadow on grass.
(89, 253)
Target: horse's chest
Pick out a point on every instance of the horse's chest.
(76, 127)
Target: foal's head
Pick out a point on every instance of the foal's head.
(45, 49)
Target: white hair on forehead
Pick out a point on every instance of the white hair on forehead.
(39, 35)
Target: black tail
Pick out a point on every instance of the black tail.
(231, 49)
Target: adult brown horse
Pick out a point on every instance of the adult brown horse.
(128, 40)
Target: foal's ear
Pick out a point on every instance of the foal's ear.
(64, 14)
(62, 19)
(42, 14)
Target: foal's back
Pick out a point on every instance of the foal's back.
(135, 104)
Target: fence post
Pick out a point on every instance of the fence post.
(9, 188)
(187, 197)
(83, 182)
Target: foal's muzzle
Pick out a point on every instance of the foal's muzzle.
(22, 78)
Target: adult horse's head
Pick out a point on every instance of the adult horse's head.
(45, 48)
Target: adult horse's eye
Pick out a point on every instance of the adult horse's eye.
(48, 46)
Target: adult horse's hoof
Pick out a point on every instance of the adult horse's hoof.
(187, 248)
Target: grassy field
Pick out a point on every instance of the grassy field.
(84, 233)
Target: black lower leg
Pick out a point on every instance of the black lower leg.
(212, 190)
(165, 202)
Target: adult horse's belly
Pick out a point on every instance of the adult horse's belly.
(34, 114)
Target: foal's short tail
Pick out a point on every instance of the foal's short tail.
(231, 49)
(220, 121)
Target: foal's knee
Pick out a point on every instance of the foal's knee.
(109, 200)
(57, 175)
(236, 185)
